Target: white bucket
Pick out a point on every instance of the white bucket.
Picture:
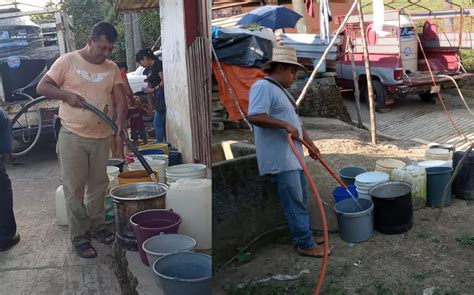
(113, 171)
(186, 171)
(156, 165)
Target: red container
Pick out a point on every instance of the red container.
(150, 223)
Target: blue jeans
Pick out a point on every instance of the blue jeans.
(292, 190)
(7, 219)
(159, 123)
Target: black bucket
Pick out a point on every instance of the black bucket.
(393, 210)
(463, 185)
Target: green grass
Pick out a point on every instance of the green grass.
(421, 276)
(299, 287)
(466, 239)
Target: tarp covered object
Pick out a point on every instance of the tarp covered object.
(242, 47)
(240, 79)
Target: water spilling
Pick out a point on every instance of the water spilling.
(153, 177)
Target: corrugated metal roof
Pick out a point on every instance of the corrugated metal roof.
(227, 22)
(135, 5)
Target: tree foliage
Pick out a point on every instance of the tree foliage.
(85, 13)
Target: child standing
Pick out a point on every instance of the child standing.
(137, 124)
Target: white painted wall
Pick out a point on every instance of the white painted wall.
(178, 122)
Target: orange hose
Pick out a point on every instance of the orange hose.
(320, 283)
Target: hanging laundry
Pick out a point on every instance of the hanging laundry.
(324, 18)
(309, 7)
(378, 17)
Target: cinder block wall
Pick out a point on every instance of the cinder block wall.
(323, 99)
(244, 205)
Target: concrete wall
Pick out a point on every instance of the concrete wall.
(244, 205)
(173, 40)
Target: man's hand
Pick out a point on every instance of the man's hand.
(74, 100)
(314, 152)
(293, 131)
(149, 90)
(121, 128)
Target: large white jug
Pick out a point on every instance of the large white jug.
(61, 213)
(192, 199)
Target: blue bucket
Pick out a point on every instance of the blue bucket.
(152, 152)
(436, 180)
(187, 273)
(340, 193)
(348, 174)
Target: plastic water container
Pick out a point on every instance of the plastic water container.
(186, 273)
(60, 202)
(192, 199)
(355, 224)
(164, 244)
(186, 171)
(349, 173)
(156, 165)
(113, 171)
(340, 193)
(365, 181)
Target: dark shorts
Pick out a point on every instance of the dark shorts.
(138, 133)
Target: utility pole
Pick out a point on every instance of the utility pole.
(300, 7)
(129, 42)
(370, 91)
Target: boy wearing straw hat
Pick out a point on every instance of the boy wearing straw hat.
(273, 112)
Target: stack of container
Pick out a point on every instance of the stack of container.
(156, 165)
(365, 181)
(387, 165)
(438, 154)
(186, 171)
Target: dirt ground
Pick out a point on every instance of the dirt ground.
(434, 257)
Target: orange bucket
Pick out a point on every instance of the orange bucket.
(136, 176)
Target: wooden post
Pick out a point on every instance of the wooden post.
(356, 83)
(370, 91)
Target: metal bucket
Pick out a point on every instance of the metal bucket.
(130, 199)
(355, 225)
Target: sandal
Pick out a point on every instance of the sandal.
(311, 252)
(82, 249)
(318, 240)
(104, 236)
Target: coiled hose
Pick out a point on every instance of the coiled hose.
(101, 115)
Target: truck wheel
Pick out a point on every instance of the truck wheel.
(380, 94)
(427, 96)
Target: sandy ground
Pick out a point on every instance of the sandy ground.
(428, 256)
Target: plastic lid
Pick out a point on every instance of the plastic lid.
(371, 177)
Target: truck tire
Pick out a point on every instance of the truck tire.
(426, 96)
(380, 94)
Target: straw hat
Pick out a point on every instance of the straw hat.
(286, 55)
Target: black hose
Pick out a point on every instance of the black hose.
(112, 124)
(101, 115)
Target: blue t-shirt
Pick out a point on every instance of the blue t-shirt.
(5, 133)
(274, 154)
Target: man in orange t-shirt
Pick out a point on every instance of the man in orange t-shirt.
(84, 139)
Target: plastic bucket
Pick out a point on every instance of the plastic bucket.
(156, 146)
(149, 223)
(135, 177)
(113, 171)
(117, 163)
(175, 158)
(393, 209)
(436, 180)
(340, 193)
(187, 273)
(164, 244)
(463, 185)
(152, 152)
(348, 174)
(355, 225)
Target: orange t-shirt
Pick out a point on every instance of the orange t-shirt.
(93, 82)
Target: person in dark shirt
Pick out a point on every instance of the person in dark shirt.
(137, 124)
(154, 73)
(8, 235)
